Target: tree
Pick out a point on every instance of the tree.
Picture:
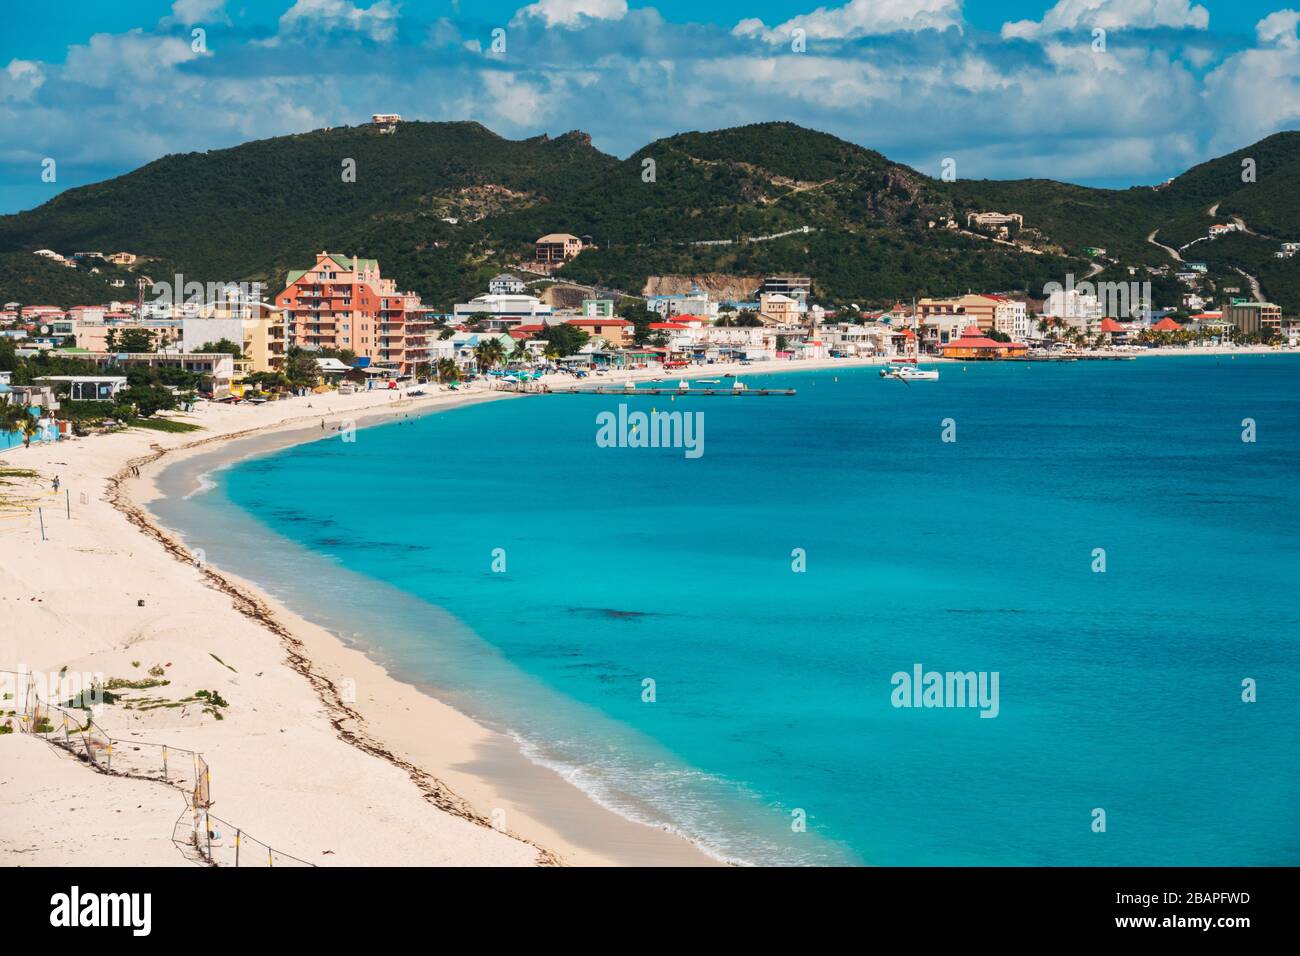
(30, 426)
(448, 370)
(522, 353)
(563, 339)
(132, 340)
(640, 317)
(221, 347)
(8, 354)
(489, 353)
(145, 399)
(266, 381)
(13, 416)
(300, 368)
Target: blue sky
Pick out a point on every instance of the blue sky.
(1008, 89)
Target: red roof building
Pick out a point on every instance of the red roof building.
(974, 345)
(1167, 325)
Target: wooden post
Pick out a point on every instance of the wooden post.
(67, 501)
(236, 848)
(41, 515)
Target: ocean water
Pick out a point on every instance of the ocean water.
(1119, 690)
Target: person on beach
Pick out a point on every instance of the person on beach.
(56, 483)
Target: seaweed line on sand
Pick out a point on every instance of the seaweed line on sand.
(349, 724)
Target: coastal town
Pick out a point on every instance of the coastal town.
(341, 324)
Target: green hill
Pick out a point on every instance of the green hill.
(867, 229)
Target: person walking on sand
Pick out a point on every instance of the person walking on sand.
(56, 483)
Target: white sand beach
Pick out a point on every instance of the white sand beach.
(394, 778)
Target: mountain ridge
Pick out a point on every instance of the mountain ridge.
(877, 229)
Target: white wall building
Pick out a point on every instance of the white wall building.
(1074, 308)
(506, 284)
(504, 310)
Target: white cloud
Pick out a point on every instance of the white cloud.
(860, 18)
(20, 80)
(190, 12)
(378, 21)
(1052, 108)
(1111, 15)
(136, 57)
(1256, 92)
(1279, 27)
(570, 13)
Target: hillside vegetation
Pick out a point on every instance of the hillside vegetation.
(874, 228)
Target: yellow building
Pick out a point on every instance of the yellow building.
(258, 327)
(779, 309)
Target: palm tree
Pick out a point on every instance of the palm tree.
(522, 353)
(448, 370)
(12, 416)
(30, 428)
(489, 353)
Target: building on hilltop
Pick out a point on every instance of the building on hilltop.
(557, 248)
(506, 284)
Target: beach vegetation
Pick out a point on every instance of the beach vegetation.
(489, 354)
(221, 347)
(118, 683)
(563, 339)
(300, 368)
(169, 425)
(447, 370)
(144, 400)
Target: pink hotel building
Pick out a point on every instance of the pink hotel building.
(342, 302)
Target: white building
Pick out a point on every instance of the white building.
(1073, 307)
(503, 311)
(696, 302)
(1011, 317)
(506, 284)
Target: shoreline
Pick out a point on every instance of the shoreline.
(453, 765)
(456, 770)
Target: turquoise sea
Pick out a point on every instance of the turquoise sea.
(1120, 691)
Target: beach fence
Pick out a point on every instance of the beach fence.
(216, 842)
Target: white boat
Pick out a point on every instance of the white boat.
(683, 386)
(629, 386)
(908, 371)
(738, 386)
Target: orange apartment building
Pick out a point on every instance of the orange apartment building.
(342, 302)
